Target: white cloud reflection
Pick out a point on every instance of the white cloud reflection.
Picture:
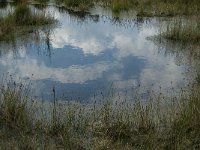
(95, 39)
(160, 70)
(29, 67)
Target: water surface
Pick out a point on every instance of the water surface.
(88, 54)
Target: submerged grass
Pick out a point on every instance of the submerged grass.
(160, 123)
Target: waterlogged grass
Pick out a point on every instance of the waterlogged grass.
(117, 5)
(159, 123)
(147, 8)
(169, 8)
(182, 29)
(6, 28)
(81, 5)
(144, 8)
(179, 29)
(22, 17)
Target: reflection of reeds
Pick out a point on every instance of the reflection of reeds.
(22, 16)
(182, 29)
(161, 123)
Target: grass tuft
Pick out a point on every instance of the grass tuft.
(186, 30)
(160, 123)
(22, 17)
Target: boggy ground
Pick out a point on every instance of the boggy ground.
(160, 123)
(185, 26)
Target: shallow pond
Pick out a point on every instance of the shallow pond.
(86, 55)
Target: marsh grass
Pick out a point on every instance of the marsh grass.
(24, 16)
(6, 28)
(165, 8)
(161, 8)
(185, 30)
(20, 18)
(160, 123)
(117, 6)
(80, 5)
(145, 8)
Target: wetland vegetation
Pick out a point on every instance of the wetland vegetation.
(143, 7)
(158, 122)
(185, 27)
(21, 18)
